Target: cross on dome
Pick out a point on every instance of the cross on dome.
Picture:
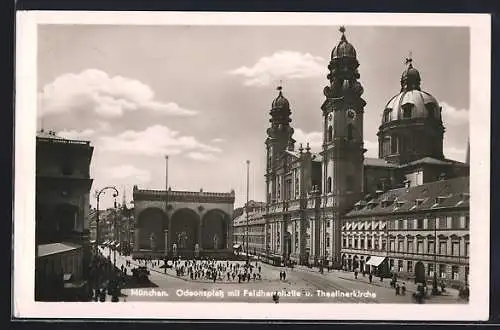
(409, 59)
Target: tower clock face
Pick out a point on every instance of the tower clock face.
(351, 114)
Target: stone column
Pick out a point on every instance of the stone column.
(165, 231)
(136, 239)
(200, 227)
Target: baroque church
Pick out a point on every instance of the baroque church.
(309, 195)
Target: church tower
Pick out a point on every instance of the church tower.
(279, 139)
(343, 152)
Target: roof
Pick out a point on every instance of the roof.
(293, 153)
(434, 161)
(430, 196)
(55, 248)
(377, 162)
(51, 135)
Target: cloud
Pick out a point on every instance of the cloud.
(128, 171)
(218, 140)
(201, 156)
(94, 90)
(281, 65)
(154, 141)
(76, 135)
(315, 139)
(453, 116)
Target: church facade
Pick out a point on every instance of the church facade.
(310, 195)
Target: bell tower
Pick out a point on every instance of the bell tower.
(279, 139)
(343, 151)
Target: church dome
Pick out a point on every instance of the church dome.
(411, 105)
(411, 102)
(280, 102)
(344, 48)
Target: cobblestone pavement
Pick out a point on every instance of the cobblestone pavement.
(302, 285)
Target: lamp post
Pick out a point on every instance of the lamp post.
(246, 208)
(98, 196)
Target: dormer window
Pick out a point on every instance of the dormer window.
(407, 109)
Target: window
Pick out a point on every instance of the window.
(362, 243)
(456, 223)
(356, 243)
(400, 266)
(327, 223)
(431, 223)
(344, 241)
(420, 223)
(466, 222)
(375, 243)
(387, 115)
(384, 244)
(327, 240)
(400, 224)
(430, 269)
(410, 266)
(407, 110)
(297, 189)
(454, 273)
(330, 133)
(466, 275)
(410, 246)
(349, 132)
(420, 247)
(431, 110)
(391, 264)
(400, 246)
(393, 245)
(466, 249)
(430, 247)
(442, 223)
(394, 144)
(329, 184)
(442, 270)
(442, 247)
(455, 248)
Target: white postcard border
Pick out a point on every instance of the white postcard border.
(24, 198)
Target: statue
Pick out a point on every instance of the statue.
(216, 241)
(152, 242)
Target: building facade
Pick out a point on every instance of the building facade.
(62, 214)
(312, 198)
(182, 223)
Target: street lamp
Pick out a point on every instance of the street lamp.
(98, 196)
(246, 208)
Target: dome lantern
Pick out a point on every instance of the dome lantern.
(410, 79)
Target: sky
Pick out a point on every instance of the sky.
(202, 95)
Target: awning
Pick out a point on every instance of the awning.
(118, 245)
(375, 260)
(236, 246)
(56, 248)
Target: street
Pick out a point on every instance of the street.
(302, 285)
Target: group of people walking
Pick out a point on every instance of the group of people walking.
(217, 270)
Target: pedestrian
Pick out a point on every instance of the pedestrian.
(356, 274)
(370, 277)
(403, 289)
(397, 289)
(284, 276)
(254, 276)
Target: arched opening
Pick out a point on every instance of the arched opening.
(66, 220)
(151, 224)
(215, 228)
(329, 185)
(288, 244)
(184, 231)
(419, 272)
(355, 263)
(330, 133)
